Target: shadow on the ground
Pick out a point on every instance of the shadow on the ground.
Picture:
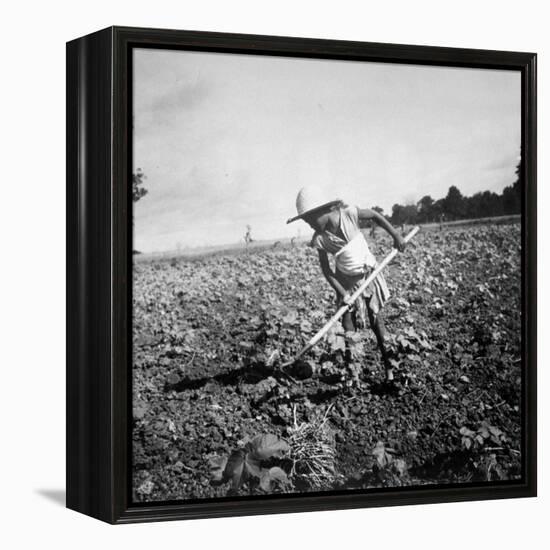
(57, 496)
(250, 374)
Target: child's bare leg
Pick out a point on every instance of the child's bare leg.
(349, 326)
(379, 329)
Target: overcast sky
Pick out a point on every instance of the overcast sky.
(228, 140)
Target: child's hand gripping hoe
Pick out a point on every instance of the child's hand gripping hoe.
(351, 301)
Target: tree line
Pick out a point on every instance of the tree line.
(456, 206)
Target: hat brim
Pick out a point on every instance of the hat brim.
(311, 210)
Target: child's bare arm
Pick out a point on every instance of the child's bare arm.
(329, 274)
(368, 214)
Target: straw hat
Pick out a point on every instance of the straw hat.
(309, 200)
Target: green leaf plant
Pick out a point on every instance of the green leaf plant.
(252, 464)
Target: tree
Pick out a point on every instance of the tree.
(475, 205)
(425, 209)
(490, 204)
(411, 213)
(397, 214)
(438, 209)
(454, 203)
(511, 195)
(404, 214)
(138, 191)
(455, 206)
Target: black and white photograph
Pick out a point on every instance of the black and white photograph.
(326, 276)
(271, 275)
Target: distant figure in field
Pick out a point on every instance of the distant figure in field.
(248, 237)
(276, 244)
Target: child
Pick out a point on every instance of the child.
(337, 232)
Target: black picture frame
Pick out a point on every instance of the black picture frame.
(99, 271)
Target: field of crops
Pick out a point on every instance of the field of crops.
(215, 415)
